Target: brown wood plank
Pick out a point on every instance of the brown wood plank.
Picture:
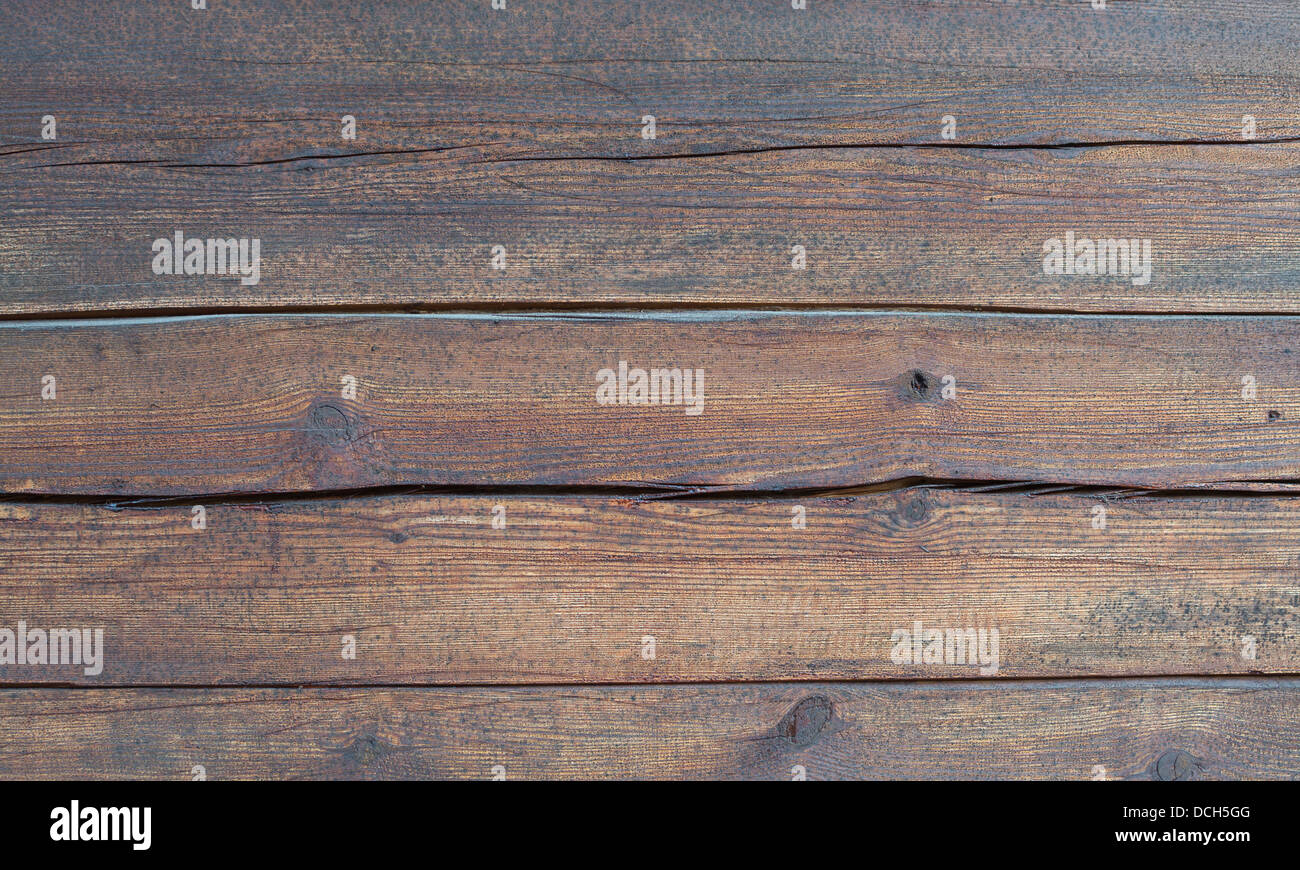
(946, 227)
(1164, 729)
(729, 590)
(257, 80)
(181, 405)
(224, 123)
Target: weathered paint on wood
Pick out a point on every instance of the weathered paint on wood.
(729, 590)
(1135, 729)
(253, 403)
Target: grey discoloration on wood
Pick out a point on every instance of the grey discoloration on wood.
(367, 749)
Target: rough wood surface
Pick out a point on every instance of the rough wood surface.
(253, 403)
(729, 590)
(225, 123)
(250, 78)
(938, 227)
(931, 226)
(1175, 613)
(1137, 729)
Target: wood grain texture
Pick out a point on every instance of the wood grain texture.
(264, 80)
(181, 405)
(478, 128)
(728, 589)
(948, 227)
(1165, 729)
(369, 515)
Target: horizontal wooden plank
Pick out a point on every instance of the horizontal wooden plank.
(949, 227)
(249, 79)
(181, 406)
(1165, 729)
(570, 588)
(224, 123)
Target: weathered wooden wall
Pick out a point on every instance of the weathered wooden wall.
(1111, 486)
